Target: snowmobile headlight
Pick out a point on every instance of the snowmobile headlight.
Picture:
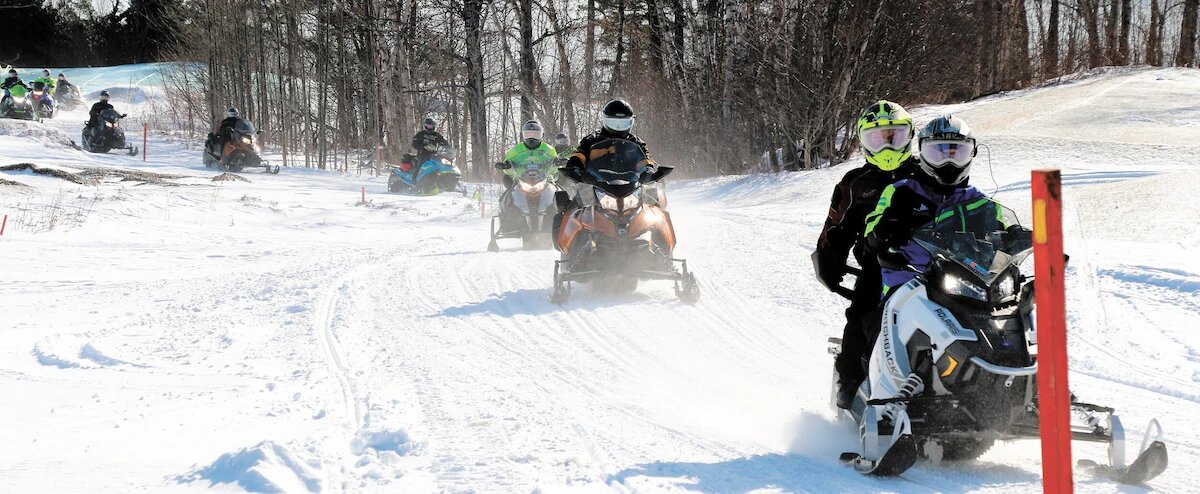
(632, 201)
(110, 124)
(1006, 287)
(955, 285)
(607, 201)
(532, 187)
(247, 140)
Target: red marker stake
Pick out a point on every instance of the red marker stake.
(364, 194)
(1054, 399)
(145, 130)
(3, 224)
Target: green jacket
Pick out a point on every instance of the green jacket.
(48, 81)
(521, 157)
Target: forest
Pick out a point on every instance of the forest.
(719, 86)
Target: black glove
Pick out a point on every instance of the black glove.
(892, 259)
(829, 270)
(503, 165)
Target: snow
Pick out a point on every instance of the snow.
(277, 335)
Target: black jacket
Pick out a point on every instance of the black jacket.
(579, 158)
(426, 137)
(853, 199)
(94, 113)
(11, 82)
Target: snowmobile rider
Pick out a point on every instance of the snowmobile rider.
(885, 134)
(428, 141)
(616, 122)
(46, 80)
(224, 132)
(94, 113)
(12, 80)
(947, 147)
(63, 85)
(562, 145)
(531, 150)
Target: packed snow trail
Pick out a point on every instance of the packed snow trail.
(278, 336)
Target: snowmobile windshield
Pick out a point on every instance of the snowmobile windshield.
(244, 127)
(110, 115)
(983, 236)
(617, 162)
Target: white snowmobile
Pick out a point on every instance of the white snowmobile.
(954, 366)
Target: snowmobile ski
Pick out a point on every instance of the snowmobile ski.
(1150, 463)
(898, 459)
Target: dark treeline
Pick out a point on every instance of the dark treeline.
(716, 83)
(47, 33)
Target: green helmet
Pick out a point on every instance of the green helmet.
(885, 132)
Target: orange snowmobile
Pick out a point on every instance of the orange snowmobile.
(622, 233)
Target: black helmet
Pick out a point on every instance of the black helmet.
(617, 116)
(561, 139)
(947, 147)
(103, 95)
(12, 72)
(232, 113)
(531, 133)
(429, 124)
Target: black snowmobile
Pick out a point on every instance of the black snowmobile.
(952, 369)
(107, 134)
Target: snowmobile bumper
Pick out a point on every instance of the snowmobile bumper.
(686, 287)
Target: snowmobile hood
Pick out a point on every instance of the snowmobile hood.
(617, 166)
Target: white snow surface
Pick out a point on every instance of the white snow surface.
(278, 336)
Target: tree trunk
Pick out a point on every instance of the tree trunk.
(564, 69)
(472, 14)
(1186, 56)
(589, 52)
(526, 25)
(1092, 23)
(1050, 51)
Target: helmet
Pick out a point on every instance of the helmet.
(429, 124)
(103, 95)
(62, 75)
(232, 113)
(12, 72)
(531, 132)
(45, 72)
(617, 116)
(885, 132)
(947, 146)
(561, 139)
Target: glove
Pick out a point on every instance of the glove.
(503, 165)
(892, 259)
(829, 272)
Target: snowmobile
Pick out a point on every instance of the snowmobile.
(16, 104)
(68, 97)
(527, 208)
(240, 152)
(42, 102)
(107, 135)
(954, 368)
(434, 176)
(625, 234)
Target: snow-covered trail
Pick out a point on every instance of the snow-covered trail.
(275, 335)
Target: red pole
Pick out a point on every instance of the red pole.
(3, 224)
(145, 129)
(364, 194)
(1054, 399)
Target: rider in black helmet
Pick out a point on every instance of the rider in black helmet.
(616, 122)
(427, 141)
(94, 113)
